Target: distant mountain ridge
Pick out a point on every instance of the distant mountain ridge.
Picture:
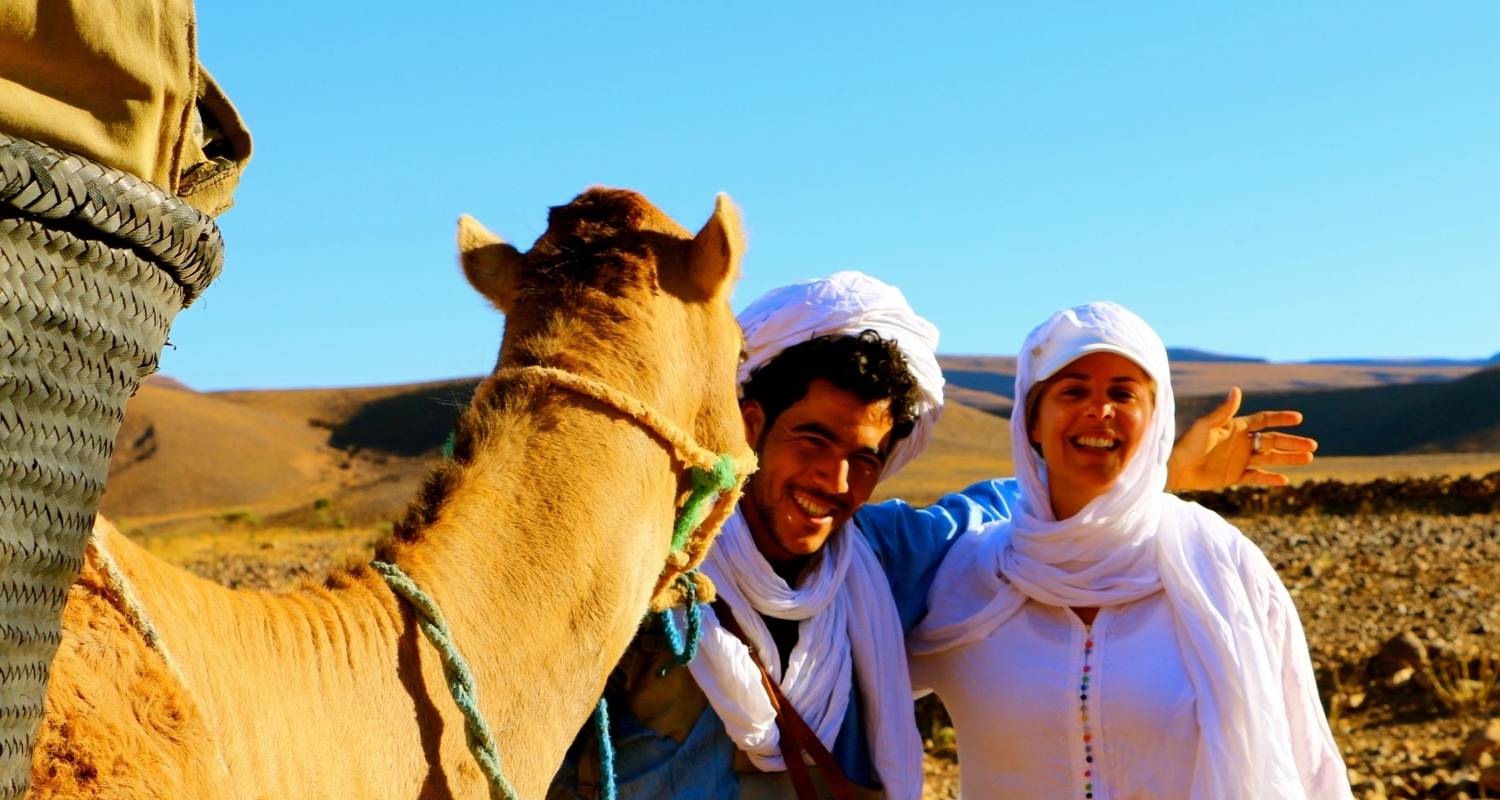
(1455, 416)
(357, 455)
(1178, 354)
(988, 382)
(1408, 362)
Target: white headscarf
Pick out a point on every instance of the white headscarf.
(1128, 543)
(850, 303)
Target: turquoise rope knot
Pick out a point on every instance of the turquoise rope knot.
(706, 484)
(456, 670)
(683, 652)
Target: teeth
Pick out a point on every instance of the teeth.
(1094, 441)
(812, 509)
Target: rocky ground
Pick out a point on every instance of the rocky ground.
(1402, 613)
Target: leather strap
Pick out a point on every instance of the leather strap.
(796, 736)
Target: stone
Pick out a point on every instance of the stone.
(1366, 788)
(1485, 740)
(1489, 779)
(1403, 651)
(1400, 677)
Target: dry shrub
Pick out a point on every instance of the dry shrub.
(1442, 494)
(1467, 681)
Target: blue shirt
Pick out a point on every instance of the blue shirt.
(910, 543)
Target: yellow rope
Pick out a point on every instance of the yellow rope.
(668, 592)
(684, 448)
(119, 587)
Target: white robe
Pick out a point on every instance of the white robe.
(1027, 739)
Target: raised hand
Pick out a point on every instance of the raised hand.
(1219, 450)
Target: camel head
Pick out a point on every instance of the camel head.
(617, 291)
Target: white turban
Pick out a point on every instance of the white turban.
(850, 303)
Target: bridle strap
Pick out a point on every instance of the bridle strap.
(712, 475)
(681, 443)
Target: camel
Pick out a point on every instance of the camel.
(543, 540)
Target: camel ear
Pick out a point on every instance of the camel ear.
(715, 261)
(489, 263)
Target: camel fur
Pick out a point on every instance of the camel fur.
(542, 540)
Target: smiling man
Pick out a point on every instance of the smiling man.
(840, 389)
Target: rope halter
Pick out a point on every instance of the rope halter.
(711, 475)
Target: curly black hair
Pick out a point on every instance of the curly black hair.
(866, 365)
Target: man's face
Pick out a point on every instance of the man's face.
(819, 462)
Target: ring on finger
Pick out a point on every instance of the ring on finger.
(1255, 441)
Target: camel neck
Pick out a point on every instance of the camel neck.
(548, 544)
(541, 556)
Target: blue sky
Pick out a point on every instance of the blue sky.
(1265, 179)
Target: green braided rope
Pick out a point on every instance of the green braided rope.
(707, 485)
(460, 678)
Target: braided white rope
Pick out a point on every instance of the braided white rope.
(684, 448)
(119, 588)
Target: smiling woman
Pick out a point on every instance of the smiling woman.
(1087, 421)
(1111, 640)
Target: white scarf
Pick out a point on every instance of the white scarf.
(1124, 545)
(850, 303)
(849, 626)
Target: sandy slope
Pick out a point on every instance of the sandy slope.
(356, 454)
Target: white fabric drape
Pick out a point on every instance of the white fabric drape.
(849, 303)
(1024, 742)
(1124, 545)
(848, 626)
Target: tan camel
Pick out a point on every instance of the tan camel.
(543, 541)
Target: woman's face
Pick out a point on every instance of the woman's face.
(1088, 423)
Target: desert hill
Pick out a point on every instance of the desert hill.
(968, 445)
(988, 382)
(323, 456)
(180, 451)
(1459, 416)
(355, 456)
